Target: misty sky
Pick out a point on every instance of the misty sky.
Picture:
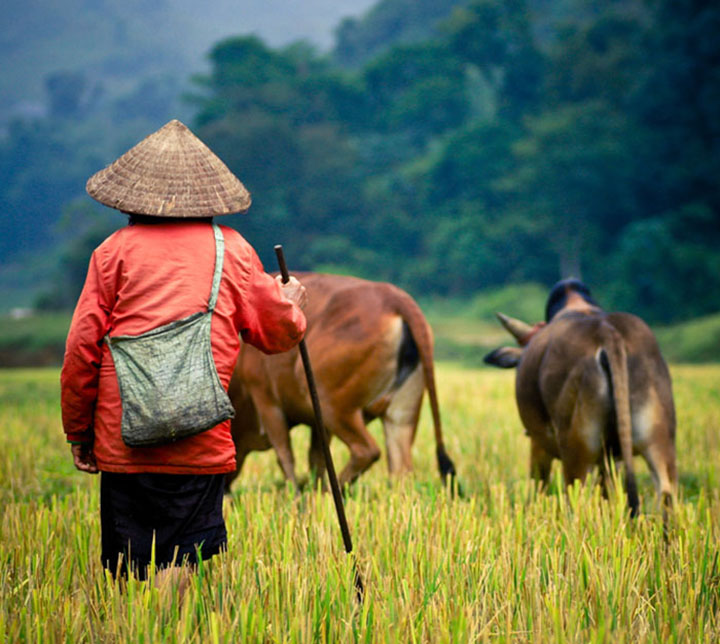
(40, 37)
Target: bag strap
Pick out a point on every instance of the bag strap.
(217, 275)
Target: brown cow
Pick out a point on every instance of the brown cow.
(372, 357)
(592, 384)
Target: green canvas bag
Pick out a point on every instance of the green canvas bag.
(168, 381)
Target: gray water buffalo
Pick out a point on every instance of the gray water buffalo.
(592, 385)
(372, 357)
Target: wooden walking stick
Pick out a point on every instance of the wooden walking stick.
(322, 436)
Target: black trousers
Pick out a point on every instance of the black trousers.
(178, 515)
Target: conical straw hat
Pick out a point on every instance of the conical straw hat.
(170, 173)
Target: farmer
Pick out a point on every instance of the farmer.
(152, 346)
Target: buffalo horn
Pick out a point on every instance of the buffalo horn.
(518, 329)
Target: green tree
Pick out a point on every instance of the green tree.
(281, 121)
(419, 89)
(43, 164)
(573, 171)
(677, 100)
(82, 228)
(664, 269)
(497, 39)
(387, 24)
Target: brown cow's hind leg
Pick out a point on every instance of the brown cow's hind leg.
(275, 426)
(400, 422)
(364, 450)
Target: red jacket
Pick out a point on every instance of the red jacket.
(144, 276)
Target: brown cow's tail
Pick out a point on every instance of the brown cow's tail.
(613, 358)
(408, 309)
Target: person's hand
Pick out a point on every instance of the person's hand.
(84, 458)
(293, 291)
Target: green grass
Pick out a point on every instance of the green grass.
(35, 331)
(501, 564)
(38, 339)
(693, 341)
(466, 330)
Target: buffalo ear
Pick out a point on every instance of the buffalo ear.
(504, 357)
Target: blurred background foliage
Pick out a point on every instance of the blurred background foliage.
(450, 147)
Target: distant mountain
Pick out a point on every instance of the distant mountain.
(119, 41)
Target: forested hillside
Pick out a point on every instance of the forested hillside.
(514, 141)
(501, 150)
(388, 23)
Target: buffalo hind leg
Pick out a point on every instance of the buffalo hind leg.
(575, 469)
(581, 439)
(540, 464)
(660, 457)
(578, 458)
(605, 479)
